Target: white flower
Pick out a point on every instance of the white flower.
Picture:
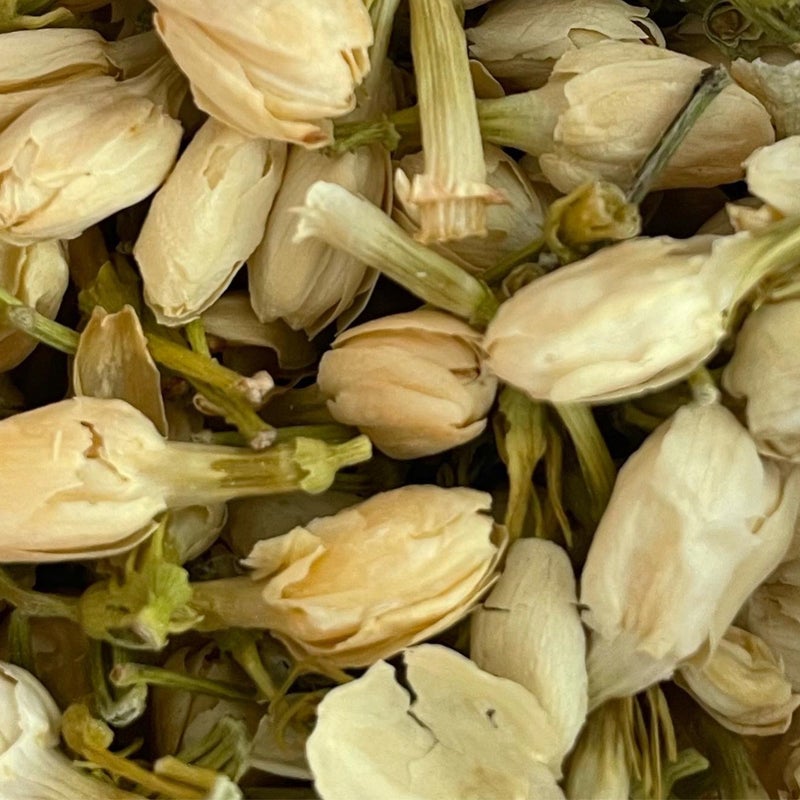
(269, 68)
(773, 174)
(445, 729)
(31, 765)
(696, 521)
(206, 220)
(529, 630)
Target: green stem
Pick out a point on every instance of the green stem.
(37, 604)
(118, 711)
(20, 647)
(132, 674)
(242, 647)
(502, 268)
(196, 335)
(712, 81)
(15, 314)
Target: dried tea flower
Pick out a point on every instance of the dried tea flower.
(112, 360)
(607, 105)
(206, 220)
(425, 557)
(510, 225)
(696, 521)
(765, 371)
(520, 43)
(446, 729)
(414, 383)
(98, 472)
(308, 283)
(31, 765)
(80, 155)
(529, 630)
(773, 174)
(604, 328)
(268, 68)
(776, 86)
(38, 275)
(742, 685)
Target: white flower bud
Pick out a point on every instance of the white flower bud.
(78, 156)
(742, 685)
(37, 275)
(414, 382)
(308, 283)
(447, 729)
(529, 630)
(426, 555)
(628, 94)
(765, 371)
(519, 43)
(31, 765)
(510, 226)
(97, 472)
(268, 68)
(206, 220)
(773, 174)
(776, 85)
(606, 328)
(38, 63)
(773, 613)
(696, 521)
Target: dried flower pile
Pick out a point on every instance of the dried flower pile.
(399, 399)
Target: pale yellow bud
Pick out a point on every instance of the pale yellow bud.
(529, 630)
(414, 383)
(38, 63)
(773, 613)
(96, 472)
(269, 68)
(448, 730)
(206, 220)
(510, 226)
(773, 174)
(776, 85)
(765, 371)
(308, 283)
(38, 276)
(78, 156)
(426, 555)
(631, 318)
(742, 685)
(696, 521)
(112, 360)
(519, 42)
(32, 764)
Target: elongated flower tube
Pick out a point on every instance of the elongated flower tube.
(31, 765)
(519, 43)
(98, 472)
(765, 372)
(605, 108)
(80, 155)
(605, 328)
(414, 383)
(268, 68)
(529, 630)
(38, 275)
(696, 521)
(341, 219)
(742, 685)
(445, 729)
(452, 192)
(206, 220)
(426, 555)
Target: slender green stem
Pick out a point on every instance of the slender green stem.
(14, 313)
(243, 648)
(196, 335)
(712, 81)
(132, 674)
(20, 647)
(502, 268)
(36, 604)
